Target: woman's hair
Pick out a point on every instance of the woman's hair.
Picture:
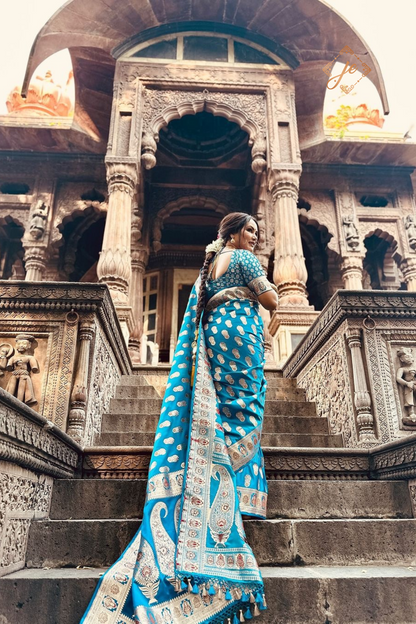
(232, 223)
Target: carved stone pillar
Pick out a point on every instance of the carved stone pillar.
(265, 315)
(290, 273)
(352, 272)
(408, 268)
(78, 403)
(35, 263)
(362, 399)
(138, 265)
(114, 264)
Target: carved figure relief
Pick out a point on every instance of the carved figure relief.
(6, 351)
(410, 225)
(406, 378)
(22, 366)
(37, 225)
(351, 232)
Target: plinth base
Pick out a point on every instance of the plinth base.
(288, 326)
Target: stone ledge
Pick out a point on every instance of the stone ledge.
(68, 296)
(129, 462)
(31, 441)
(394, 460)
(349, 304)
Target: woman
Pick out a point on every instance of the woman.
(190, 560)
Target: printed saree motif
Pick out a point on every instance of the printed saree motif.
(190, 561)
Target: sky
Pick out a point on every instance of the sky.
(387, 27)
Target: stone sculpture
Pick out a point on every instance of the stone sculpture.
(6, 351)
(351, 233)
(406, 378)
(410, 225)
(38, 221)
(22, 366)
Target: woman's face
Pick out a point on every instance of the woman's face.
(247, 236)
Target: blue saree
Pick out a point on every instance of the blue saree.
(190, 561)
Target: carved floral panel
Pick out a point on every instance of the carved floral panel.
(326, 381)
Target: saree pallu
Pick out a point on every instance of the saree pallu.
(190, 560)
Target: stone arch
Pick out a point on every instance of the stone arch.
(161, 107)
(83, 207)
(192, 201)
(382, 259)
(315, 238)
(89, 216)
(12, 229)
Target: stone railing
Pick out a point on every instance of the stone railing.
(62, 351)
(357, 363)
(32, 452)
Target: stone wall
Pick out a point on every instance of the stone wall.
(32, 451)
(73, 352)
(349, 364)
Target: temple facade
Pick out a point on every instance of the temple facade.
(176, 113)
(171, 131)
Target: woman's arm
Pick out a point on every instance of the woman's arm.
(268, 300)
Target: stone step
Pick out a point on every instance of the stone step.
(274, 379)
(284, 393)
(295, 424)
(118, 498)
(97, 543)
(295, 595)
(147, 423)
(289, 440)
(137, 407)
(137, 392)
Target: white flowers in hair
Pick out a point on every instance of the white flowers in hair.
(215, 246)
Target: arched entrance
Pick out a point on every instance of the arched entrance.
(203, 171)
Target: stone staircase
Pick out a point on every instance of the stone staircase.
(331, 551)
(289, 420)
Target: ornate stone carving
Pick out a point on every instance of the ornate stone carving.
(33, 442)
(352, 272)
(22, 366)
(410, 226)
(408, 269)
(248, 110)
(105, 375)
(37, 225)
(326, 382)
(350, 232)
(6, 351)
(290, 273)
(114, 267)
(23, 496)
(35, 262)
(362, 398)
(406, 378)
(309, 464)
(397, 462)
(77, 412)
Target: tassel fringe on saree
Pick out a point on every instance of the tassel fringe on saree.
(190, 561)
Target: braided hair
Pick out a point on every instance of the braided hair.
(232, 223)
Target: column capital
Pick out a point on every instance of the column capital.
(408, 268)
(284, 181)
(139, 259)
(35, 262)
(354, 337)
(352, 272)
(121, 176)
